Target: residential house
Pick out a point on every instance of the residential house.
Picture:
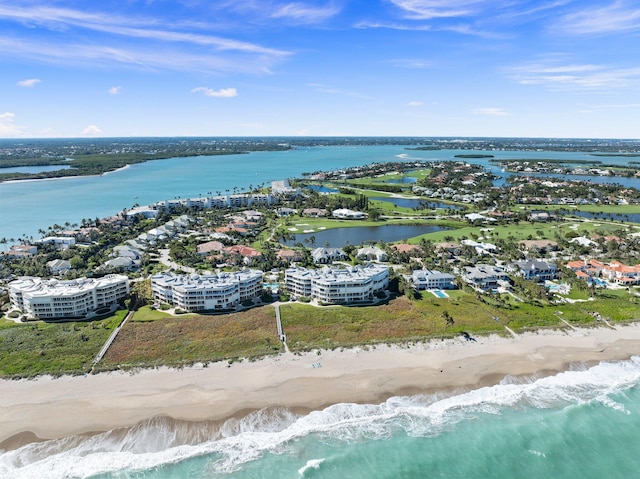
(289, 255)
(328, 255)
(484, 276)
(372, 253)
(536, 269)
(314, 212)
(58, 266)
(347, 214)
(423, 279)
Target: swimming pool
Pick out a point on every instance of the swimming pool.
(439, 294)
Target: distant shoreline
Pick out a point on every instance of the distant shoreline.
(219, 391)
(30, 180)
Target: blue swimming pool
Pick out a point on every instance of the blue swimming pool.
(439, 294)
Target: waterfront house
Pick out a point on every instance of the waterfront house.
(423, 279)
(485, 277)
(621, 273)
(60, 242)
(536, 269)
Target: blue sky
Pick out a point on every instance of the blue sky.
(529, 68)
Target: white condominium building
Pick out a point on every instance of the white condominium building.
(207, 292)
(334, 285)
(42, 299)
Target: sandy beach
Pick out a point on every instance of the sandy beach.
(58, 407)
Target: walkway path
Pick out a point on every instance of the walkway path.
(106, 346)
(281, 335)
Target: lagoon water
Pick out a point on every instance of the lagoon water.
(355, 235)
(582, 423)
(28, 206)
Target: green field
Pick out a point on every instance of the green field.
(53, 348)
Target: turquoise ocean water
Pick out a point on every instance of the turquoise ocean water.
(582, 423)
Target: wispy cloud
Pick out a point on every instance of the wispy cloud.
(490, 112)
(620, 16)
(8, 129)
(576, 77)
(293, 13)
(336, 91)
(428, 9)
(392, 26)
(618, 106)
(414, 103)
(303, 13)
(114, 90)
(411, 63)
(222, 93)
(139, 57)
(175, 40)
(91, 130)
(29, 83)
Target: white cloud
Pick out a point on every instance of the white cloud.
(136, 56)
(222, 93)
(427, 9)
(415, 103)
(114, 90)
(490, 112)
(576, 77)
(29, 83)
(620, 16)
(181, 46)
(410, 63)
(7, 128)
(301, 12)
(335, 91)
(91, 130)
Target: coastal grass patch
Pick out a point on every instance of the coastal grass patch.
(38, 348)
(618, 306)
(176, 341)
(308, 327)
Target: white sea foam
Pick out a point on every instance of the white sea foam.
(237, 441)
(311, 464)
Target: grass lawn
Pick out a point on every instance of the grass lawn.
(53, 348)
(147, 314)
(179, 340)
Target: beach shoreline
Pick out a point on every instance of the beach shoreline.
(29, 180)
(50, 408)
